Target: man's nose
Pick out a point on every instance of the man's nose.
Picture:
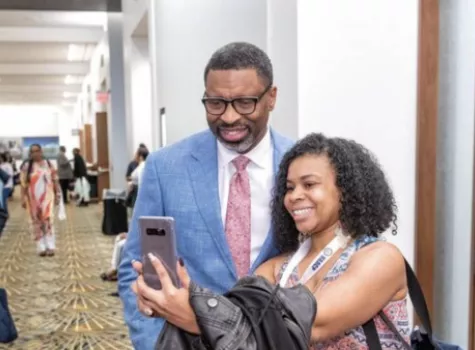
(230, 116)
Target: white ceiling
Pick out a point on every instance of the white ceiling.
(51, 19)
(44, 56)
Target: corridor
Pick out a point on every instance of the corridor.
(60, 302)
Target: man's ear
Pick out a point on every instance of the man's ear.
(273, 97)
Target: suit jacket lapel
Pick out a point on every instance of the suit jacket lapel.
(203, 171)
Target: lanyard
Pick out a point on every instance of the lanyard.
(316, 264)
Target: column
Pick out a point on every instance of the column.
(455, 148)
(154, 54)
(141, 96)
(353, 68)
(357, 78)
(117, 123)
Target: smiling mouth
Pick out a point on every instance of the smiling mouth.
(301, 212)
(233, 134)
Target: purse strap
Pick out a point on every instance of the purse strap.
(393, 328)
(417, 297)
(372, 338)
(420, 307)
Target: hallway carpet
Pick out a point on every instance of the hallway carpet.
(60, 302)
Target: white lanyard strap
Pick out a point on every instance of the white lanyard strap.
(320, 260)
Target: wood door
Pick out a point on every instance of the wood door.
(472, 301)
(81, 141)
(102, 137)
(88, 154)
(427, 107)
(471, 340)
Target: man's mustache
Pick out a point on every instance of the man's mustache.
(232, 126)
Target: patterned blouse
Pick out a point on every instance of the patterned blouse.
(354, 339)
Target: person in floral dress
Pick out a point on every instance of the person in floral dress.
(40, 193)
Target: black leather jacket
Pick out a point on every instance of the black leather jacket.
(253, 315)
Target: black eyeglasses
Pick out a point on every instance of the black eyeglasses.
(244, 105)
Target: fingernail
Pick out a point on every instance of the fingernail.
(152, 257)
(148, 312)
(181, 262)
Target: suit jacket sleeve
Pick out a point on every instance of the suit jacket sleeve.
(143, 330)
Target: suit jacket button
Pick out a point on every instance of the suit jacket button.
(212, 302)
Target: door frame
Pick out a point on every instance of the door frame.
(426, 153)
(471, 322)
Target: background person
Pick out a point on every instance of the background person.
(40, 194)
(7, 167)
(65, 173)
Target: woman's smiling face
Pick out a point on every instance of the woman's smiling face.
(312, 197)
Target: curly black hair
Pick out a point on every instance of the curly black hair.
(367, 202)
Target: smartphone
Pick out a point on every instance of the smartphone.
(157, 235)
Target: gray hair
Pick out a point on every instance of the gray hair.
(241, 55)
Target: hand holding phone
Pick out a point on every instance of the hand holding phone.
(157, 235)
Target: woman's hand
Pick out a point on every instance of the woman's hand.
(170, 303)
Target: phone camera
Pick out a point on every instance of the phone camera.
(155, 232)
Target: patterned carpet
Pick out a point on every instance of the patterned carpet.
(60, 302)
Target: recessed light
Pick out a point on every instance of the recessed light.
(67, 94)
(68, 80)
(76, 52)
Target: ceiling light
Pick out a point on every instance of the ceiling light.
(75, 52)
(68, 80)
(67, 94)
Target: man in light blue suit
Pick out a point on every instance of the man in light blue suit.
(191, 181)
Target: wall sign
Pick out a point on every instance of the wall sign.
(102, 96)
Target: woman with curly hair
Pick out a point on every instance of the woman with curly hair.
(331, 204)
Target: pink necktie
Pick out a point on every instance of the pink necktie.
(238, 217)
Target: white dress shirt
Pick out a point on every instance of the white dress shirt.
(261, 175)
(7, 167)
(136, 176)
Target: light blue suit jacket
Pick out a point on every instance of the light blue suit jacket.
(181, 181)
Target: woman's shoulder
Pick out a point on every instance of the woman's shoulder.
(369, 243)
(271, 267)
(381, 252)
